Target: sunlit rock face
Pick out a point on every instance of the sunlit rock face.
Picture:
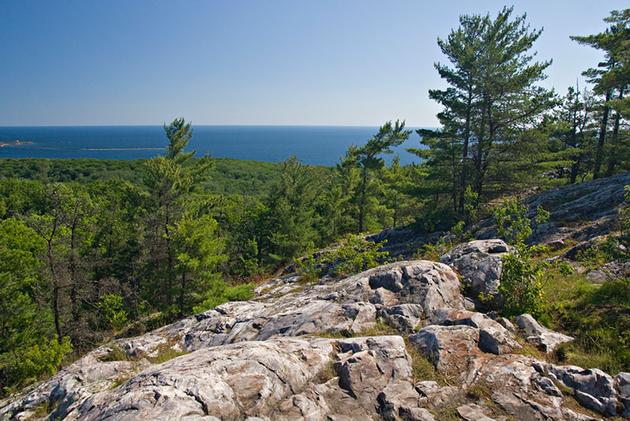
(394, 342)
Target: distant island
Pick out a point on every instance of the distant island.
(17, 142)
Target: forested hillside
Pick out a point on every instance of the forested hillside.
(93, 249)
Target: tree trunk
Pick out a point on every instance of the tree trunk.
(612, 156)
(169, 260)
(55, 291)
(181, 294)
(72, 266)
(602, 138)
(362, 199)
(463, 176)
(575, 168)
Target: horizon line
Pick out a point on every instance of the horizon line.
(208, 125)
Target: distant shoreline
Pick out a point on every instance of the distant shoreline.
(9, 143)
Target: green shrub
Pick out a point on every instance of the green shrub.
(113, 311)
(521, 287)
(26, 365)
(512, 221)
(222, 293)
(521, 277)
(353, 254)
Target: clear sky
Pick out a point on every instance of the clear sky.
(318, 62)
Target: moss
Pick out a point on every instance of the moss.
(334, 335)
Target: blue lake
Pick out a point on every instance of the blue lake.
(317, 145)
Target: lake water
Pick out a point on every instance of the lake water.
(317, 145)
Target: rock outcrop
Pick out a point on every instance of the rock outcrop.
(479, 263)
(393, 343)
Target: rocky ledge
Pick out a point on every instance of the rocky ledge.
(398, 342)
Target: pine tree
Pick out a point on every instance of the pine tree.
(171, 180)
(368, 158)
(610, 79)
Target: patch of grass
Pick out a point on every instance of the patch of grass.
(41, 411)
(165, 353)
(529, 350)
(479, 391)
(423, 369)
(119, 380)
(561, 287)
(334, 335)
(448, 413)
(380, 328)
(599, 319)
(116, 353)
(327, 373)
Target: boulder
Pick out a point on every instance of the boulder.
(493, 337)
(479, 263)
(404, 317)
(472, 412)
(622, 381)
(447, 347)
(536, 334)
(369, 364)
(401, 401)
(593, 388)
(436, 396)
(611, 270)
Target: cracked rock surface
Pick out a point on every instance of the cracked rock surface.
(394, 343)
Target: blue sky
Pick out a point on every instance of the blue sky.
(323, 62)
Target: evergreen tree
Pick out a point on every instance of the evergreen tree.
(492, 99)
(368, 159)
(610, 79)
(289, 220)
(171, 180)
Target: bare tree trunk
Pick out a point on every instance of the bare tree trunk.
(55, 282)
(614, 140)
(72, 266)
(463, 175)
(362, 199)
(602, 138)
(182, 294)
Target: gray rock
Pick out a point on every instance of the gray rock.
(593, 388)
(622, 381)
(401, 401)
(436, 396)
(546, 339)
(371, 364)
(448, 347)
(472, 412)
(610, 271)
(493, 337)
(546, 385)
(479, 263)
(404, 317)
